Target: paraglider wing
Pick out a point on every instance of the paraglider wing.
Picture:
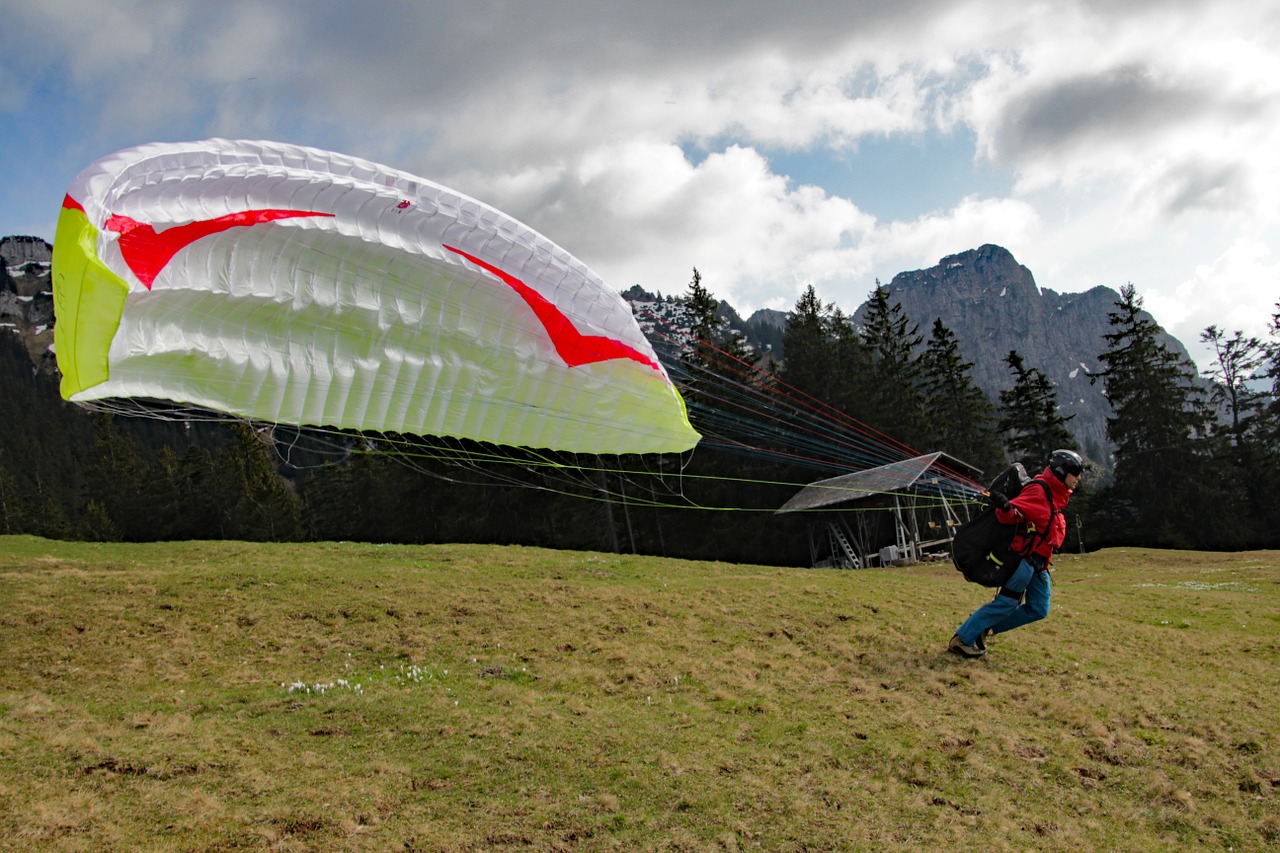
(299, 286)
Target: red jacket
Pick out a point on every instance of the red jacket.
(1030, 511)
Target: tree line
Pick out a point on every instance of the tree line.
(1189, 469)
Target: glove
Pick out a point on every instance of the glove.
(999, 501)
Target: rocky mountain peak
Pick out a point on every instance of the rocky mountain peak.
(986, 272)
(16, 251)
(994, 306)
(26, 296)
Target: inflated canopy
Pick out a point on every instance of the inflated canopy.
(304, 287)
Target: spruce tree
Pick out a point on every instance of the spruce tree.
(121, 483)
(1240, 445)
(1168, 490)
(715, 355)
(853, 378)
(811, 359)
(828, 363)
(704, 324)
(961, 415)
(1030, 420)
(12, 510)
(892, 341)
(721, 391)
(1268, 429)
(203, 513)
(261, 507)
(1272, 359)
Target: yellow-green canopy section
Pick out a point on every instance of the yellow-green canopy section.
(88, 299)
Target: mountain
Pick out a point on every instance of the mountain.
(664, 322)
(16, 251)
(26, 296)
(993, 305)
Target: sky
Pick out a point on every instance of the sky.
(771, 146)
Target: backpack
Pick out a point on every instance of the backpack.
(981, 548)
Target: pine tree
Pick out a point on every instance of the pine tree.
(854, 379)
(260, 505)
(811, 359)
(1261, 453)
(715, 355)
(1030, 420)
(892, 341)
(704, 324)
(1168, 490)
(121, 485)
(961, 415)
(1237, 360)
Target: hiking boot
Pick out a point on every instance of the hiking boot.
(960, 647)
(982, 639)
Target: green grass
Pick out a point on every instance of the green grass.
(223, 696)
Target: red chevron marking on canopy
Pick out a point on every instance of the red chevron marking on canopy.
(147, 251)
(574, 347)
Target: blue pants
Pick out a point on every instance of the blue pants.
(1004, 613)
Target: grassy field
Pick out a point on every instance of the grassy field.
(223, 696)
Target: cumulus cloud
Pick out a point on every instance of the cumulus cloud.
(658, 215)
(1238, 290)
(1141, 140)
(1170, 101)
(1094, 109)
(972, 223)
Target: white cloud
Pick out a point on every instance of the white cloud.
(975, 221)
(1142, 139)
(87, 38)
(655, 216)
(1169, 101)
(757, 239)
(1238, 290)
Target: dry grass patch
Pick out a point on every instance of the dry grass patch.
(214, 696)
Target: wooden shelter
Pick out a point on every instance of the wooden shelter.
(912, 496)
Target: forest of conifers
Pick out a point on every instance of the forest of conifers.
(1186, 468)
